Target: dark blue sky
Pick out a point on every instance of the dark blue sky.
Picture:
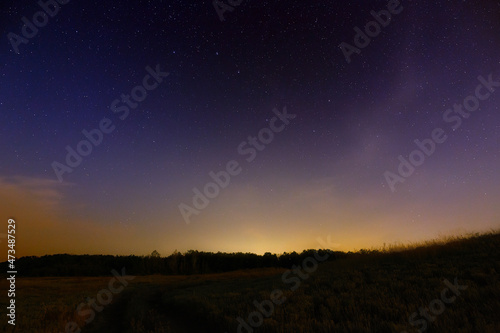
(324, 173)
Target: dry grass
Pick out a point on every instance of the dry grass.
(376, 292)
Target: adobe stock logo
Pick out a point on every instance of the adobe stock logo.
(295, 276)
(427, 146)
(436, 306)
(95, 136)
(40, 19)
(104, 297)
(221, 179)
(372, 29)
(221, 7)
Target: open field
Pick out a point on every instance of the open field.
(371, 292)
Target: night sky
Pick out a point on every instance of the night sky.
(323, 173)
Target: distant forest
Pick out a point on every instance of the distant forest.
(191, 262)
(195, 262)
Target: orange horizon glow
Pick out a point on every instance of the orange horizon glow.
(48, 223)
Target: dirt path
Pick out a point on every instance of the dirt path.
(111, 319)
(116, 317)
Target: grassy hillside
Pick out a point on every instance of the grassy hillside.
(370, 292)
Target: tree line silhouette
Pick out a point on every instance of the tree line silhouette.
(191, 262)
